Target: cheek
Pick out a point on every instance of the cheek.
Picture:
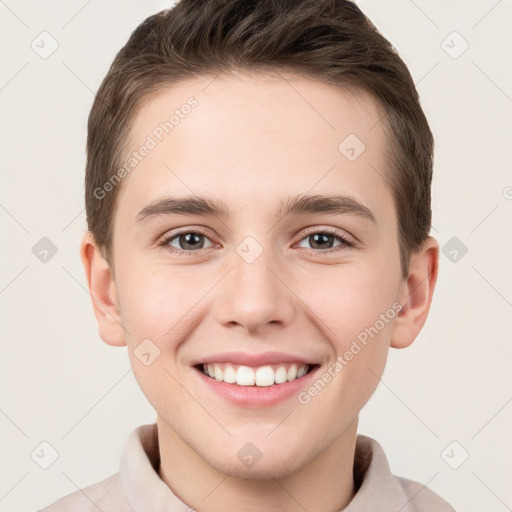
(351, 301)
(155, 302)
(357, 315)
(154, 309)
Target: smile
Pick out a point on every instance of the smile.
(261, 376)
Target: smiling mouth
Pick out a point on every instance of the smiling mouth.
(261, 376)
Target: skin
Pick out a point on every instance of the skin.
(253, 140)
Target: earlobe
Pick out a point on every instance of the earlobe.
(416, 294)
(103, 292)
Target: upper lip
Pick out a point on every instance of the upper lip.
(248, 359)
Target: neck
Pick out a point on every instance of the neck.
(324, 483)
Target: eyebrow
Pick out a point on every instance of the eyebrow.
(301, 204)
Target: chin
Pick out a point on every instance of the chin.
(269, 466)
(268, 470)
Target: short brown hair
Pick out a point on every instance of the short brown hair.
(331, 41)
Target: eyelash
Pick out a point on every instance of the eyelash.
(345, 242)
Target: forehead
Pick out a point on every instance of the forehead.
(257, 101)
(241, 135)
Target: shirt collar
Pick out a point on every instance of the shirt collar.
(377, 488)
(139, 477)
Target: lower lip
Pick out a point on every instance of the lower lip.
(257, 395)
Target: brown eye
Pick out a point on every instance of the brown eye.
(322, 240)
(188, 241)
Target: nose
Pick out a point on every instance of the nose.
(255, 294)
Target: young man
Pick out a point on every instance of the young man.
(258, 203)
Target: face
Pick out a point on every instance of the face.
(300, 260)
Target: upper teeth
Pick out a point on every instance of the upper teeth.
(261, 376)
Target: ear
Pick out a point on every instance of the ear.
(416, 294)
(103, 292)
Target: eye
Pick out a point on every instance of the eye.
(323, 239)
(320, 240)
(186, 241)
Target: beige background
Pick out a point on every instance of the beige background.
(61, 384)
